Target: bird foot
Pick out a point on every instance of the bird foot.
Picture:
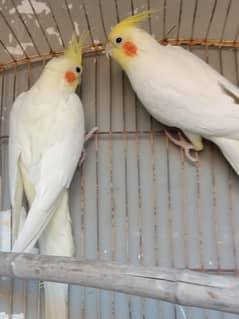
(90, 134)
(87, 137)
(187, 147)
(82, 157)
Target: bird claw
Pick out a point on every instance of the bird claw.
(87, 137)
(82, 157)
(187, 147)
(187, 150)
(90, 134)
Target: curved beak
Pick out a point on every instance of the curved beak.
(108, 49)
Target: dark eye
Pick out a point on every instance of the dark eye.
(118, 40)
(78, 69)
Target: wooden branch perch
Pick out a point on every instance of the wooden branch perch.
(177, 286)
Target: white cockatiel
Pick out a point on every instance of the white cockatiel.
(178, 88)
(45, 144)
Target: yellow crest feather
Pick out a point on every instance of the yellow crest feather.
(137, 18)
(75, 49)
(131, 21)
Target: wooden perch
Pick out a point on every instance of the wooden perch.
(177, 286)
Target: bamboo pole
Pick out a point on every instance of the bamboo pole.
(177, 286)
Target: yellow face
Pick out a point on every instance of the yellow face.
(72, 76)
(122, 45)
(74, 55)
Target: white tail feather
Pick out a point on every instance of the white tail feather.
(56, 300)
(230, 149)
(57, 240)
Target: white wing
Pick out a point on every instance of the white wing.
(54, 172)
(181, 90)
(202, 115)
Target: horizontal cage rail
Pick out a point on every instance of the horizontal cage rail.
(99, 48)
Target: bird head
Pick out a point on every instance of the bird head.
(126, 40)
(68, 68)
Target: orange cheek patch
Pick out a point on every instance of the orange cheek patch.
(70, 77)
(130, 48)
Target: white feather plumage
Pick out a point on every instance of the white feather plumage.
(46, 141)
(181, 90)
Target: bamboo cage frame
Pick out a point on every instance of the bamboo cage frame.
(185, 287)
(181, 287)
(99, 48)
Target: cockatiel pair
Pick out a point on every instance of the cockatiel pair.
(47, 130)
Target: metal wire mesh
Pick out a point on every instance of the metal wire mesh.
(136, 199)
